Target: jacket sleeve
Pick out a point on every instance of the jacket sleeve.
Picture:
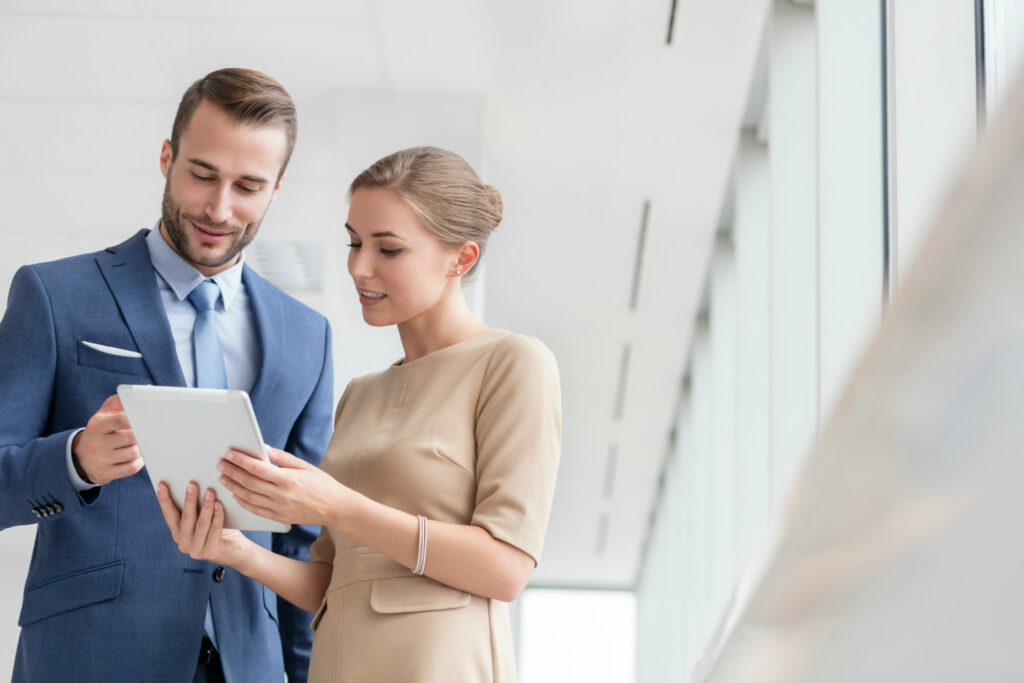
(308, 440)
(34, 484)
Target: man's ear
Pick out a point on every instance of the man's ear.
(166, 157)
(277, 188)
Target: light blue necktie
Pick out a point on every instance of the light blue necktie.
(209, 359)
(209, 366)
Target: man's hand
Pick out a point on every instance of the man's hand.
(106, 450)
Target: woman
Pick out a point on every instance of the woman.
(443, 464)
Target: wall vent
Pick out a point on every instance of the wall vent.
(292, 266)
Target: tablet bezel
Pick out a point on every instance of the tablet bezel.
(183, 433)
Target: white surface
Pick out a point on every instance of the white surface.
(183, 433)
(577, 636)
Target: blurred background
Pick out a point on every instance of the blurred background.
(710, 206)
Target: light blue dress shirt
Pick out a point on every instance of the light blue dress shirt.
(236, 323)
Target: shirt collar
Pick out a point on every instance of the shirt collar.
(182, 278)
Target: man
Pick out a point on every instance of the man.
(108, 595)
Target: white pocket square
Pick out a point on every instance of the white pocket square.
(112, 350)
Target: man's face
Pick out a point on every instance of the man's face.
(218, 187)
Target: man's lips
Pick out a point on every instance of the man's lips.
(208, 235)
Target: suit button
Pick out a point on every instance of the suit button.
(218, 574)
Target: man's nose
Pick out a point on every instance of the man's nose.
(218, 206)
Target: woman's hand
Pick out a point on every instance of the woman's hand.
(293, 493)
(200, 533)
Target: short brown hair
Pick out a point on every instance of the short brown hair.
(443, 190)
(247, 96)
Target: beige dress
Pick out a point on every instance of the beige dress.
(470, 435)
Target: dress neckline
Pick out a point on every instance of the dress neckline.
(400, 363)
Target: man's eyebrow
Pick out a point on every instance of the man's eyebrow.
(383, 233)
(210, 167)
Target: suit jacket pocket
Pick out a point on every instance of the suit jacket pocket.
(124, 365)
(71, 591)
(414, 594)
(270, 602)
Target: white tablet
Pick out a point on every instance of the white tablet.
(183, 433)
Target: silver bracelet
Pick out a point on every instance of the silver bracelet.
(421, 552)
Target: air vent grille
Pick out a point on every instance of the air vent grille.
(292, 266)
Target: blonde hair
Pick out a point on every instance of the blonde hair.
(443, 190)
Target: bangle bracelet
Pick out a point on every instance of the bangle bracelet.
(421, 550)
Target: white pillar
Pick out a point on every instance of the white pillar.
(723, 372)
(794, 241)
(934, 105)
(751, 231)
(851, 180)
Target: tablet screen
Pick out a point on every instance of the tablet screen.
(183, 433)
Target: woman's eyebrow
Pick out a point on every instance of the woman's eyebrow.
(383, 233)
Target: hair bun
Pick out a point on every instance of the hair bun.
(496, 204)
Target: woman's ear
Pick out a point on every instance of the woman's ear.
(467, 255)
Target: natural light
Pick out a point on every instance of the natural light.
(576, 635)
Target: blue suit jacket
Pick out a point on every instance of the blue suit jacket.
(109, 597)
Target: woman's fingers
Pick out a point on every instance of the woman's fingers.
(202, 530)
(188, 512)
(286, 459)
(249, 470)
(216, 527)
(236, 477)
(260, 510)
(241, 493)
(171, 514)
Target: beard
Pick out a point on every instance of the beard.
(175, 221)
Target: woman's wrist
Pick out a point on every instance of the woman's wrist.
(246, 559)
(345, 511)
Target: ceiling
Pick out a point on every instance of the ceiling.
(584, 115)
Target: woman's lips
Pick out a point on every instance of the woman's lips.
(368, 298)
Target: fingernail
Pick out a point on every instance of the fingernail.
(209, 494)
(192, 488)
(223, 480)
(220, 466)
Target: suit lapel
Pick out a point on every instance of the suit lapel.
(269, 314)
(129, 274)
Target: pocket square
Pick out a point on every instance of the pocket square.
(112, 350)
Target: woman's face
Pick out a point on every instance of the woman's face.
(399, 269)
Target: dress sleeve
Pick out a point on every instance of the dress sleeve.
(518, 437)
